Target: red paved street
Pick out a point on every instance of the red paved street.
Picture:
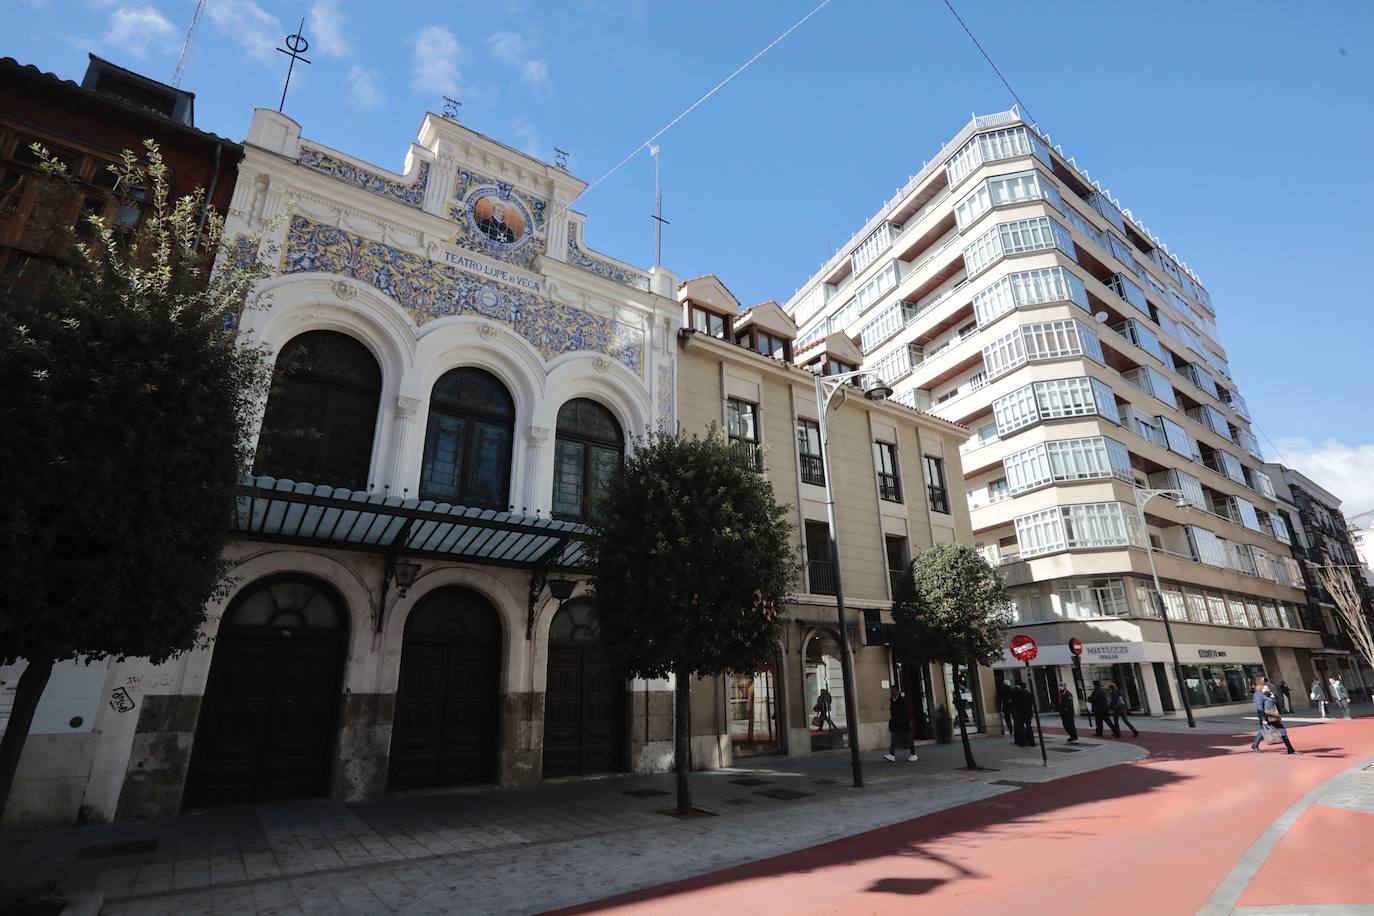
(1155, 836)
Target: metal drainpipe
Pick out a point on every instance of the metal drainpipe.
(209, 197)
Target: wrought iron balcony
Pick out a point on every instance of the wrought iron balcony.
(820, 576)
(813, 470)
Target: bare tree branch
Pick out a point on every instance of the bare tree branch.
(1340, 585)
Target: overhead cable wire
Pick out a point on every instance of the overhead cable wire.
(697, 104)
(987, 57)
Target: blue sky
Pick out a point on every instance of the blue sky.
(1242, 134)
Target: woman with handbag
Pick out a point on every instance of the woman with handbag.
(1271, 728)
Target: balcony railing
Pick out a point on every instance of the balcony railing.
(1338, 641)
(890, 487)
(820, 577)
(939, 499)
(898, 578)
(813, 470)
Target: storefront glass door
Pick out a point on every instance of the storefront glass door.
(754, 713)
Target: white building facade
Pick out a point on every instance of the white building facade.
(1002, 289)
(458, 373)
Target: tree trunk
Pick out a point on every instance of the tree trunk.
(27, 693)
(963, 727)
(682, 739)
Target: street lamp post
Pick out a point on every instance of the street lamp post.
(827, 386)
(1143, 496)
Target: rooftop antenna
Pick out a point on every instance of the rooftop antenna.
(659, 221)
(298, 46)
(186, 45)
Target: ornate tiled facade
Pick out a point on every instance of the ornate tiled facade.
(579, 258)
(326, 164)
(665, 395)
(428, 290)
(516, 238)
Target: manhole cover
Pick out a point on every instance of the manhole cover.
(784, 794)
(751, 781)
(110, 850)
(645, 793)
(1015, 784)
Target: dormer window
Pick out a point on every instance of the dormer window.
(709, 322)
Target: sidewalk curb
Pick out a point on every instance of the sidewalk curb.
(1228, 892)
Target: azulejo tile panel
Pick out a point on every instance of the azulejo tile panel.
(579, 258)
(322, 162)
(498, 220)
(428, 290)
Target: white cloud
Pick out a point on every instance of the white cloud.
(248, 25)
(326, 23)
(1347, 471)
(510, 48)
(134, 28)
(362, 88)
(437, 56)
(527, 135)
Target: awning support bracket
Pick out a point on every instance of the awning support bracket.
(393, 553)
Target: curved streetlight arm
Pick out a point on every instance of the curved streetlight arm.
(1143, 496)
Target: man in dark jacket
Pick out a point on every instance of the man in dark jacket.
(1024, 703)
(1064, 703)
(899, 725)
(1006, 707)
(1097, 702)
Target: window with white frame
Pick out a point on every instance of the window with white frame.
(1280, 528)
(1083, 525)
(1191, 488)
(1263, 484)
(1197, 606)
(889, 321)
(1002, 190)
(1040, 341)
(1122, 252)
(1179, 442)
(1103, 205)
(1016, 410)
(1027, 604)
(869, 294)
(871, 247)
(1206, 546)
(992, 146)
(1066, 459)
(1004, 354)
(1216, 609)
(1231, 466)
(1085, 598)
(1028, 287)
(1127, 289)
(1243, 559)
(1248, 517)
(1016, 237)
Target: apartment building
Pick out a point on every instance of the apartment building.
(1322, 537)
(1003, 289)
(888, 467)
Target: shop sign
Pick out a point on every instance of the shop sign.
(1107, 652)
(1211, 653)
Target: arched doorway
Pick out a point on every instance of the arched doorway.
(823, 677)
(268, 717)
(584, 703)
(448, 704)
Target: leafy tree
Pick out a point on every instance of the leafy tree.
(125, 404)
(691, 561)
(952, 608)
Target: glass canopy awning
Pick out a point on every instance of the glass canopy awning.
(287, 511)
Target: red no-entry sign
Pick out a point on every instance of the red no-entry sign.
(1076, 646)
(1023, 648)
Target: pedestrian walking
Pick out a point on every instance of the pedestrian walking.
(1287, 696)
(899, 726)
(1007, 707)
(822, 710)
(1097, 702)
(1064, 703)
(1023, 702)
(1339, 695)
(1117, 706)
(1267, 711)
(1318, 696)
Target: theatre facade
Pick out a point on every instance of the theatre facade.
(459, 375)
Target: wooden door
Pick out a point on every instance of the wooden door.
(448, 703)
(268, 718)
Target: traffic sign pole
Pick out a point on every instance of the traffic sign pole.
(1044, 758)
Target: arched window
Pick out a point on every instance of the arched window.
(454, 613)
(468, 444)
(587, 456)
(286, 603)
(576, 622)
(322, 412)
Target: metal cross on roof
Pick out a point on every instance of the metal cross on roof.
(298, 45)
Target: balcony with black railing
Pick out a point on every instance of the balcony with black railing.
(813, 470)
(939, 499)
(820, 577)
(890, 487)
